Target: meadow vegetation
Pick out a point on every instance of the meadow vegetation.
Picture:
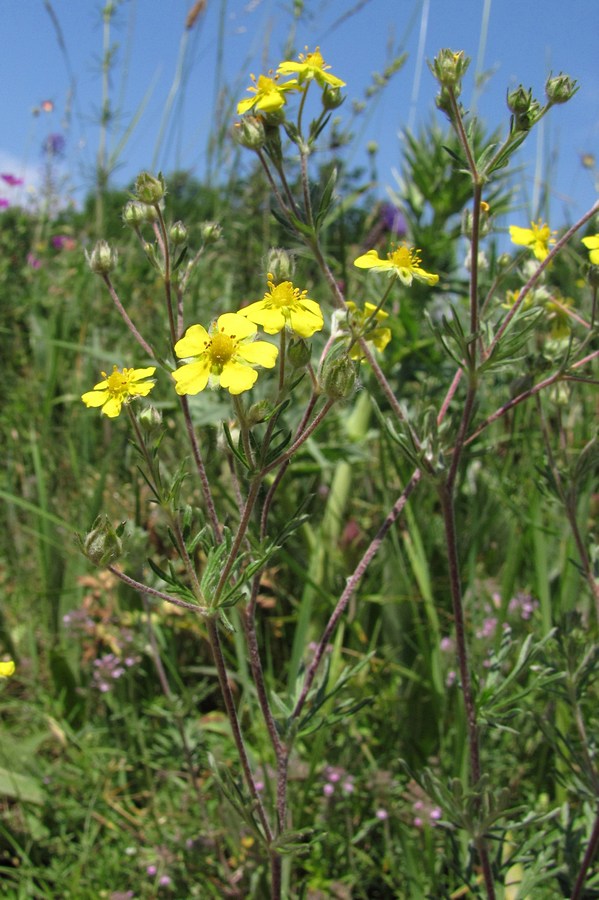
(329, 624)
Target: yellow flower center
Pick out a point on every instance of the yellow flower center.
(117, 382)
(314, 60)
(404, 258)
(221, 349)
(283, 295)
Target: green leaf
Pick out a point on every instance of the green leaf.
(23, 788)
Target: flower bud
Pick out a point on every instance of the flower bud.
(211, 232)
(102, 259)
(593, 276)
(150, 189)
(560, 88)
(134, 213)
(519, 100)
(338, 377)
(150, 420)
(259, 412)
(101, 545)
(178, 234)
(332, 98)
(280, 264)
(250, 132)
(298, 353)
(449, 68)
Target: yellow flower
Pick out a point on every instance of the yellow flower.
(7, 668)
(537, 237)
(592, 244)
(284, 305)
(311, 66)
(119, 388)
(403, 262)
(269, 96)
(364, 324)
(225, 356)
(558, 316)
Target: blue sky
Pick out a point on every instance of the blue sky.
(523, 42)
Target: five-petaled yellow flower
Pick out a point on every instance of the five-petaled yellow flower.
(592, 244)
(269, 95)
(403, 262)
(119, 388)
(225, 356)
(311, 66)
(366, 323)
(285, 305)
(537, 237)
(7, 668)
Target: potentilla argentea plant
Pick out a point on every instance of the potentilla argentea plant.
(285, 364)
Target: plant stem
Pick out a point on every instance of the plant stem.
(125, 316)
(201, 469)
(152, 592)
(350, 588)
(221, 671)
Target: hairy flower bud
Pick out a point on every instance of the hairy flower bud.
(259, 412)
(102, 259)
(134, 213)
(250, 132)
(449, 68)
(149, 188)
(211, 232)
(178, 234)
(332, 98)
(593, 276)
(298, 353)
(150, 420)
(338, 377)
(281, 264)
(560, 88)
(102, 545)
(519, 100)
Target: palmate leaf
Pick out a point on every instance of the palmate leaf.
(322, 695)
(237, 797)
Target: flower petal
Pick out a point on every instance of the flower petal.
(192, 378)
(259, 353)
(95, 398)
(522, 236)
(236, 326)
(237, 377)
(272, 320)
(304, 320)
(193, 342)
(371, 260)
(112, 407)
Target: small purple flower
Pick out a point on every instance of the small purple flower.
(54, 145)
(328, 790)
(151, 870)
(348, 786)
(446, 645)
(164, 880)
(393, 220)
(382, 814)
(488, 628)
(4, 203)
(33, 262)
(12, 180)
